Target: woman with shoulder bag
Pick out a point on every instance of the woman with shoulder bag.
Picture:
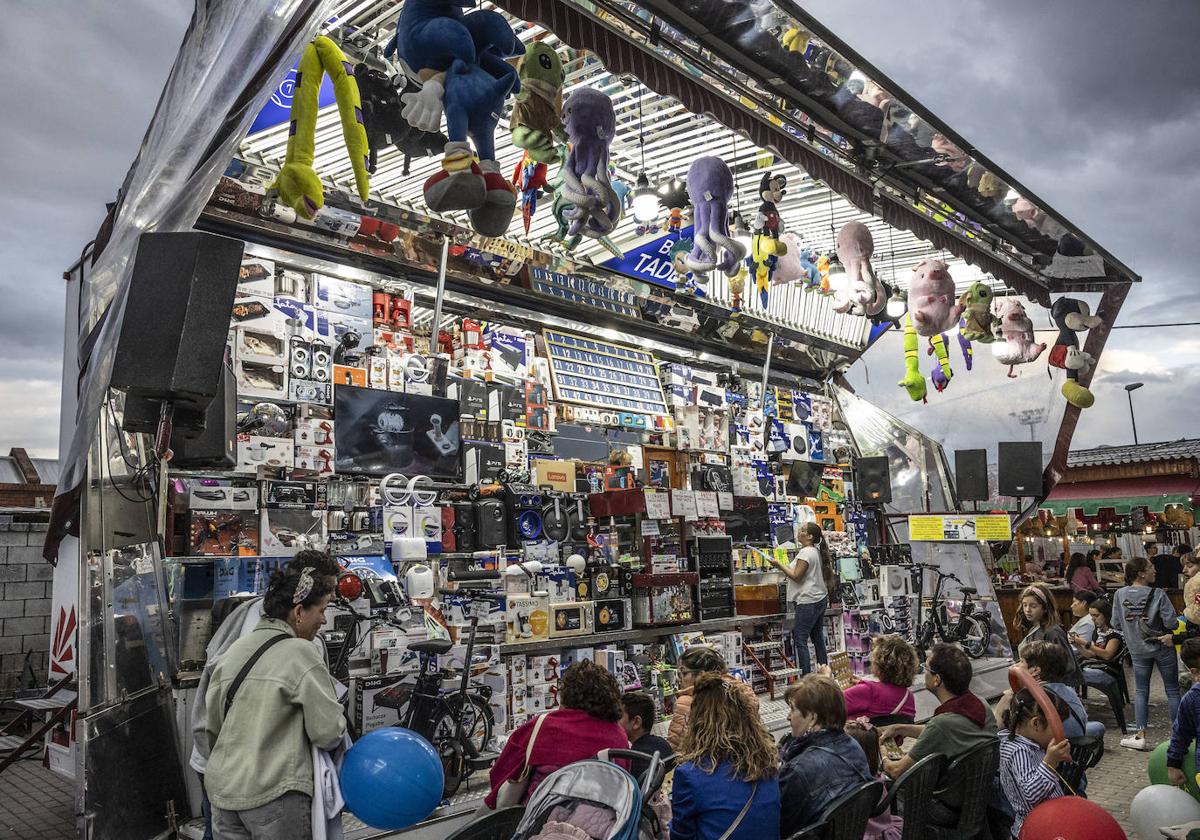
(1144, 616)
(808, 581)
(270, 700)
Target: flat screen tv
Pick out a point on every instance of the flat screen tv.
(380, 432)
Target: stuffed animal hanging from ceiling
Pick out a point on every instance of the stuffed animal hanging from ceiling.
(977, 320)
(1014, 333)
(585, 203)
(709, 187)
(530, 178)
(913, 381)
(297, 182)
(862, 293)
(461, 62)
(766, 248)
(964, 344)
(931, 298)
(381, 111)
(536, 122)
(1073, 316)
(942, 374)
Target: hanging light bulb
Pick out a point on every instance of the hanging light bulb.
(645, 201)
(897, 305)
(741, 232)
(837, 275)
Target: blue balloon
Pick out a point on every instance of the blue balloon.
(391, 778)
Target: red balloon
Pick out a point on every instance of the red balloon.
(1070, 818)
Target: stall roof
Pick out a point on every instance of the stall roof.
(1123, 494)
(1139, 453)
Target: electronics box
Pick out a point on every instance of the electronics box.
(557, 475)
(573, 618)
(613, 614)
(342, 296)
(369, 713)
(664, 600)
(527, 619)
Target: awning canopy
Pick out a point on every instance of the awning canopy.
(1123, 495)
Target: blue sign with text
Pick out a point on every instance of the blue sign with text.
(278, 108)
(651, 262)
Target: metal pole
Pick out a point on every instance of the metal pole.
(763, 393)
(1129, 394)
(435, 327)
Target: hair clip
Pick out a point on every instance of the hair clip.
(304, 586)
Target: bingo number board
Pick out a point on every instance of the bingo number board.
(603, 374)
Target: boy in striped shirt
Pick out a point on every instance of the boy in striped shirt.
(1029, 756)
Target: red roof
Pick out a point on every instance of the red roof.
(1166, 485)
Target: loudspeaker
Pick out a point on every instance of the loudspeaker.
(525, 515)
(464, 526)
(491, 531)
(172, 341)
(874, 480)
(1020, 468)
(971, 475)
(216, 445)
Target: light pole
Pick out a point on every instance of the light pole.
(1129, 389)
(1031, 417)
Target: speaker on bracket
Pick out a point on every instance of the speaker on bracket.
(873, 480)
(215, 445)
(172, 341)
(1020, 468)
(970, 475)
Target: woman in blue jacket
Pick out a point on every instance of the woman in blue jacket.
(726, 784)
(821, 763)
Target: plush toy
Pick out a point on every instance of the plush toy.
(955, 158)
(297, 182)
(823, 270)
(586, 201)
(767, 248)
(931, 298)
(808, 262)
(1073, 316)
(1014, 330)
(535, 121)
(942, 374)
(530, 179)
(913, 381)
(863, 294)
(381, 110)
(790, 268)
(977, 320)
(964, 344)
(710, 186)
(461, 61)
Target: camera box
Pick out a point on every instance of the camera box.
(222, 498)
(342, 297)
(267, 452)
(285, 533)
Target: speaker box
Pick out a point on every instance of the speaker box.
(524, 514)
(874, 480)
(1020, 468)
(491, 529)
(464, 526)
(971, 475)
(172, 342)
(216, 444)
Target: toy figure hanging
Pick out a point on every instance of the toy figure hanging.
(709, 187)
(381, 111)
(942, 374)
(461, 62)
(862, 294)
(585, 203)
(931, 298)
(977, 321)
(297, 182)
(529, 179)
(767, 248)
(1073, 316)
(964, 344)
(913, 381)
(536, 125)
(1014, 331)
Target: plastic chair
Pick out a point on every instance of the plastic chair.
(1086, 753)
(498, 825)
(816, 831)
(848, 815)
(910, 794)
(967, 787)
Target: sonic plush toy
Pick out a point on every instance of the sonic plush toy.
(461, 62)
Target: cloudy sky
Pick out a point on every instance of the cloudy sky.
(1092, 104)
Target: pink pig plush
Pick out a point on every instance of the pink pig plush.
(931, 298)
(1014, 333)
(863, 293)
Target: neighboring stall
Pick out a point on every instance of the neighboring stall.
(576, 399)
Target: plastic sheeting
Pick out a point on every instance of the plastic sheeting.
(232, 56)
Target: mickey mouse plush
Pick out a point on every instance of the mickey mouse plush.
(767, 248)
(1073, 316)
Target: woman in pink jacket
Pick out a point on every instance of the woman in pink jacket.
(888, 698)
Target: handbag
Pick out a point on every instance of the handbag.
(1149, 630)
(512, 792)
(741, 816)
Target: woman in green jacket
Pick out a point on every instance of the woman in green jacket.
(260, 773)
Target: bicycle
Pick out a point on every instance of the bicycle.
(972, 630)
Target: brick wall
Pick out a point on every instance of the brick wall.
(25, 579)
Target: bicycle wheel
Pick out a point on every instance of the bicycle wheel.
(477, 721)
(974, 635)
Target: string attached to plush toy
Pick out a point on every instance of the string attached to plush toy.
(298, 184)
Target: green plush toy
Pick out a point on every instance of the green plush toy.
(298, 184)
(536, 124)
(913, 381)
(978, 319)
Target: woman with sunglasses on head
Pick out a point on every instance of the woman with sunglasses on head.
(695, 663)
(1037, 621)
(808, 591)
(1144, 616)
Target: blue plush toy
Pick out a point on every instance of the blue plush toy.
(461, 62)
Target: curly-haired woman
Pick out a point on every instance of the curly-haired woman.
(888, 698)
(586, 723)
(726, 783)
(695, 662)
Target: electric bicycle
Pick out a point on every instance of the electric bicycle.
(972, 630)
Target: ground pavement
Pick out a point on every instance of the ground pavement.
(36, 804)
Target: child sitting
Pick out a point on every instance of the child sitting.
(886, 826)
(1029, 755)
(1187, 721)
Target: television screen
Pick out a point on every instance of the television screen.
(749, 521)
(804, 479)
(381, 432)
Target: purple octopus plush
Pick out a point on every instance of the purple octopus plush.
(587, 199)
(710, 186)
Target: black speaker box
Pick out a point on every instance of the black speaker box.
(491, 527)
(172, 342)
(464, 526)
(874, 480)
(971, 475)
(215, 446)
(1020, 464)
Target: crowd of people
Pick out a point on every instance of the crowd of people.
(267, 707)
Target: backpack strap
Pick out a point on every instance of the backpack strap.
(254, 657)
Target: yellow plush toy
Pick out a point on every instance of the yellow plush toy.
(913, 381)
(298, 184)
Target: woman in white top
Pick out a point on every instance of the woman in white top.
(807, 592)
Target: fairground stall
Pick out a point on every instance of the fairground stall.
(554, 334)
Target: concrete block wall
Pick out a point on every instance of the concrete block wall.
(25, 581)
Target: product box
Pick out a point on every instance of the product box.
(519, 698)
(317, 459)
(527, 619)
(293, 494)
(427, 524)
(543, 698)
(557, 475)
(256, 277)
(541, 669)
(347, 335)
(343, 543)
(341, 296)
(573, 618)
(518, 672)
(375, 699)
(612, 614)
(310, 391)
(572, 655)
(219, 533)
(223, 498)
(311, 431)
(271, 453)
(261, 380)
(285, 533)
(483, 461)
(397, 522)
(605, 582)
